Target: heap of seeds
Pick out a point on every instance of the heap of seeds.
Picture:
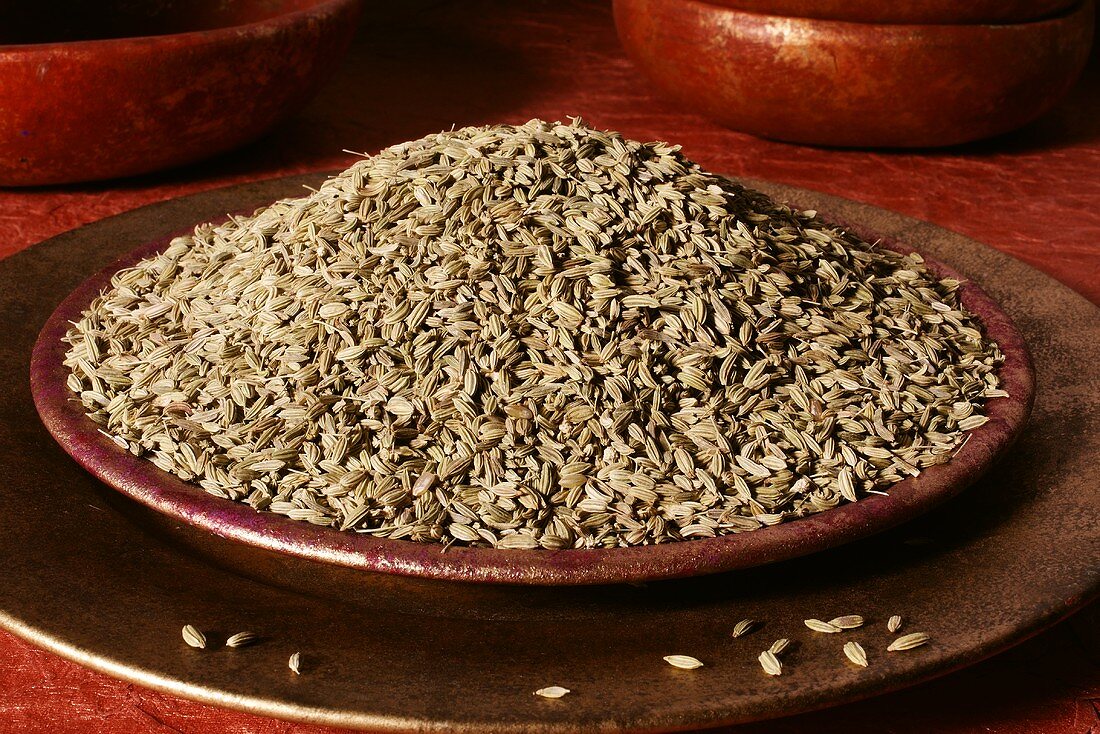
(535, 336)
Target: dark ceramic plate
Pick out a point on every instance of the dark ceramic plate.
(141, 480)
(105, 581)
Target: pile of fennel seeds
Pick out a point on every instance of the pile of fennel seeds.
(534, 336)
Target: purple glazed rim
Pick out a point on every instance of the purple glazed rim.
(141, 480)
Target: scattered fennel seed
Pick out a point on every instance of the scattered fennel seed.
(744, 627)
(909, 641)
(194, 637)
(770, 663)
(847, 622)
(779, 646)
(686, 662)
(855, 652)
(241, 639)
(552, 692)
(818, 626)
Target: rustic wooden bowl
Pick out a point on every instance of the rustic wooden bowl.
(108, 89)
(855, 84)
(914, 11)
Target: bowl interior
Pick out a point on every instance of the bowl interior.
(76, 20)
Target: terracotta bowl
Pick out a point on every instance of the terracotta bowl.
(913, 11)
(854, 84)
(140, 480)
(107, 89)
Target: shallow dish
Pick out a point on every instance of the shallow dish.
(830, 82)
(139, 479)
(101, 90)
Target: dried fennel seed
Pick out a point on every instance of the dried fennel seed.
(855, 652)
(242, 639)
(908, 642)
(552, 692)
(744, 627)
(770, 663)
(894, 623)
(534, 336)
(779, 646)
(847, 622)
(818, 626)
(194, 637)
(295, 663)
(685, 662)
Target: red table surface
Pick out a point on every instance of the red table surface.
(425, 66)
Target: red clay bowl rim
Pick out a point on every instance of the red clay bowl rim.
(227, 32)
(823, 25)
(1058, 12)
(141, 480)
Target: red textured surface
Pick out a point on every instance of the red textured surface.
(1034, 194)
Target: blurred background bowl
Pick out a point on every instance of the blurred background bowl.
(838, 83)
(907, 11)
(115, 88)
